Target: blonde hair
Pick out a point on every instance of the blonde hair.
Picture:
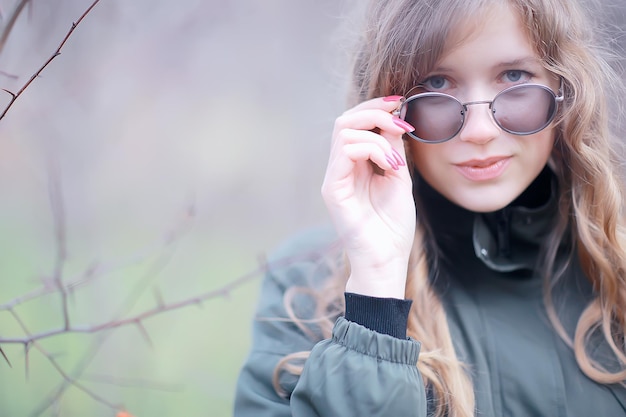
(401, 42)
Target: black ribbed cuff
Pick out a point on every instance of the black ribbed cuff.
(383, 315)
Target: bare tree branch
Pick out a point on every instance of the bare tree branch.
(60, 370)
(96, 270)
(58, 284)
(73, 378)
(15, 96)
(6, 31)
(152, 271)
(58, 214)
(5, 357)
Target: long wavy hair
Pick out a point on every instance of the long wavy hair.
(401, 42)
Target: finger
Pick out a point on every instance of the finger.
(388, 125)
(358, 152)
(352, 158)
(349, 136)
(393, 151)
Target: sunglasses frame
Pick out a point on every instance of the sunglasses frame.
(558, 98)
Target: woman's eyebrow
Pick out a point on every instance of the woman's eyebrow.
(523, 61)
(531, 60)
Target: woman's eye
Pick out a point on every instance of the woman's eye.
(515, 76)
(435, 83)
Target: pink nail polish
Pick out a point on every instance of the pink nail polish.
(392, 162)
(392, 98)
(398, 158)
(404, 125)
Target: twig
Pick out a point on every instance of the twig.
(11, 23)
(72, 379)
(56, 284)
(70, 382)
(160, 308)
(15, 96)
(60, 370)
(5, 357)
(94, 271)
(8, 75)
(58, 214)
(153, 271)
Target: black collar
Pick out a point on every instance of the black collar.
(505, 240)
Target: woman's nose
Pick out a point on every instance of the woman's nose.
(479, 126)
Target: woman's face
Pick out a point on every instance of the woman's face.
(484, 168)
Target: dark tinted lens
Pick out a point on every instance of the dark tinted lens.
(435, 117)
(524, 109)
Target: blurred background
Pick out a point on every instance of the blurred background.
(173, 144)
(169, 147)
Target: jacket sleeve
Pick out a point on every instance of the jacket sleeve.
(357, 372)
(298, 263)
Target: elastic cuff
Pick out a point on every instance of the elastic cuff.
(382, 315)
(380, 346)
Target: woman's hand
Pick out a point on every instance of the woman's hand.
(368, 192)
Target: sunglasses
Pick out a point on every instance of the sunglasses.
(523, 109)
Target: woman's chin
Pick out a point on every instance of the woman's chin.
(485, 202)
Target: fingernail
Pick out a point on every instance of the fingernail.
(392, 98)
(392, 162)
(404, 125)
(398, 158)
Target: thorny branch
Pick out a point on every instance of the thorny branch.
(58, 283)
(8, 27)
(58, 213)
(59, 368)
(72, 379)
(121, 318)
(137, 319)
(55, 284)
(5, 34)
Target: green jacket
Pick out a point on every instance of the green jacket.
(493, 300)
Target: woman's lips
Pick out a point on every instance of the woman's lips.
(483, 169)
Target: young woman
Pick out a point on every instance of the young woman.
(475, 190)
